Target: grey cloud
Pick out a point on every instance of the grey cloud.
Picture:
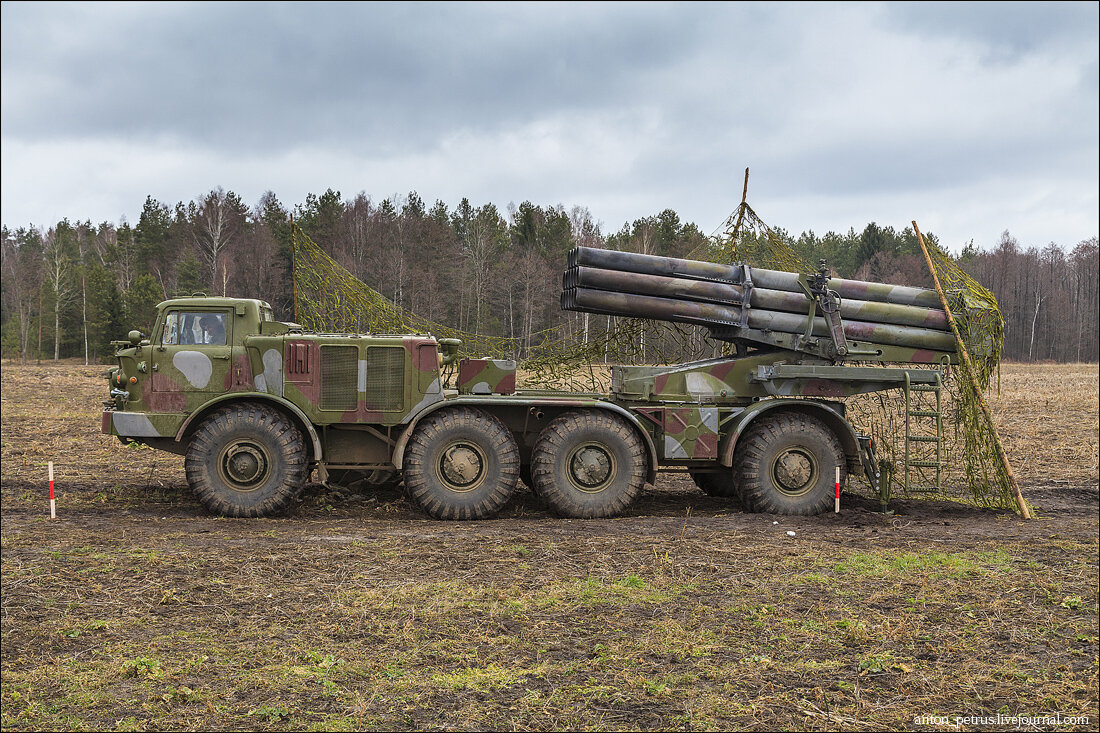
(1006, 29)
(646, 102)
(380, 75)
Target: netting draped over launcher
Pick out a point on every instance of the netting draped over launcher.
(980, 477)
(572, 356)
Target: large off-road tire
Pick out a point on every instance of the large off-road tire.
(246, 460)
(786, 464)
(719, 484)
(588, 463)
(461, 463)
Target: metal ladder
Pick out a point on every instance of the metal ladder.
(924, 463)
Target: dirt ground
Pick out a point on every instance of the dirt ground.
(136, 609)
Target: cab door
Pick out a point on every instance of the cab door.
(191, 358)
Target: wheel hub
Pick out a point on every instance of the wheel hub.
(591, 467)
(462, 465)
(245, 465)
(794, 471)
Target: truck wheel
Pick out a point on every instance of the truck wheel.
(719, 484)
(246, 460)
(461, 464)
(588, 464)
(786, 464)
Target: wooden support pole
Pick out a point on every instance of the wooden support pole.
(294, 264)
(964, 355)
(735, 230)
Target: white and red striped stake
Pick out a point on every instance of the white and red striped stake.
(836, 510)
(53, 504)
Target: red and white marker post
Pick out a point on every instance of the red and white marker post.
(836, 509)
(53, 504)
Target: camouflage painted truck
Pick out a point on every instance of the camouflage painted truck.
(257, 406)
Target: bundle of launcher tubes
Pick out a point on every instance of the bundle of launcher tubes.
(713, 295)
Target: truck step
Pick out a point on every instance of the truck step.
(924, 489)
(924, 388)
(925, 464)
(924, 413)
(922, 438)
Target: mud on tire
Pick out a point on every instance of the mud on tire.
(246, 460)
(588, 463)
(461, 463)
(786, 463)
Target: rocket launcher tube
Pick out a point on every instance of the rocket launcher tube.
(852, 289)
(716, 315)
(734, 274)
(609, 259)
(724, 293)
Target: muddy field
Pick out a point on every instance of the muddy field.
(138, 610)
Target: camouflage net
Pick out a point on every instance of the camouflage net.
(883, 414)
(329, 299)
(574, 355)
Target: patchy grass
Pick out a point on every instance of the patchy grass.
(136, 610)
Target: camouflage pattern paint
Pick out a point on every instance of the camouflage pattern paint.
(239, 376)
(831, 413)
(691, 433)
(722, 381)
(486, 376)
(266, 359)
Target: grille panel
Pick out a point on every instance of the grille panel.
(339, 377)
(385, 378)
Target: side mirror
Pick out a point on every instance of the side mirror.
(134, 336)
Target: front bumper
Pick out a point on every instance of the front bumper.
(139, 424)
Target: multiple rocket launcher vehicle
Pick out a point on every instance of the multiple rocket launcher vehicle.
(277, 403)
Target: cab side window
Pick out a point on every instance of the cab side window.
(212, 329)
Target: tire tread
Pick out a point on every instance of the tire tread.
(288, 442)
(757, 495)
(419, 474)
(554, 442)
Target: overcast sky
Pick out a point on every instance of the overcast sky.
(971, 119)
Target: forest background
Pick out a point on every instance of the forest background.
(69, 289)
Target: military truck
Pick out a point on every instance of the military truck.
(258, 406)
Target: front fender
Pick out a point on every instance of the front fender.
(824, 411)
(303, 422)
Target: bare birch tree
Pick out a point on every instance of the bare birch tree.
(216, 220)
(59, 260)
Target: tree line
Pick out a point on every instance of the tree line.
(69, 289)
